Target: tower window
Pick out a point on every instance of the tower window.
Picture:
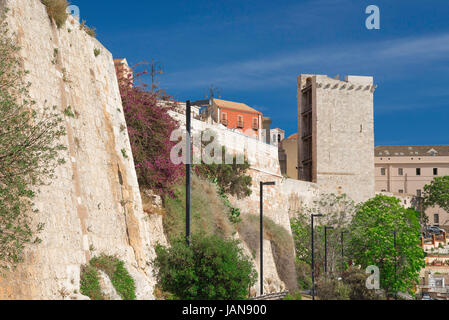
(418, 171)
(383, 171)
(435, 171)
(401, 171)
(436, 219)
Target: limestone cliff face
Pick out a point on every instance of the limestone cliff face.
(94, 204)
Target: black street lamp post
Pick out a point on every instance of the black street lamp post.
(188, 168)
(343, 252)
(325, 247)
(262, 184)
(313, 255)
(395, 266)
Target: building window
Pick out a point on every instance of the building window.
(418, 171)
(255, 124)
(239, 121)
(401, 191)
(435, 171)
(401, 171)
(224, 119)
(419, 193)
(384, 190)
(383, 171)
(436, 219)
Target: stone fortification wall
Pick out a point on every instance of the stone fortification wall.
(94, 204)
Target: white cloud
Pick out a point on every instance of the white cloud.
(280, 70)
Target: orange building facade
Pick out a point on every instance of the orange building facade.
(237, 116)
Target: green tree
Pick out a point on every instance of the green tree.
(337, 211)
(372, 242)
(29, 152)
(211, 268)
(437, 193)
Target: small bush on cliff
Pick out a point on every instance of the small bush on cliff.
(117, 273)
(57, 11)
(90, 283)
(149, 128)
(29, 152)
(90, 31)
(211, 268)
(231, 178)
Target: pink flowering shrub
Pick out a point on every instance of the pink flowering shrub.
(149, 129)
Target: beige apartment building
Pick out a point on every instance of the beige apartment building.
(405, 170)
(336, 134)
(288, 156)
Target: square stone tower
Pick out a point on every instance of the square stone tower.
(336, 134)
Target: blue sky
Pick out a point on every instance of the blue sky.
(254, 50)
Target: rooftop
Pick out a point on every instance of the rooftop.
(235, 106)
(293, 137)
(407, 151)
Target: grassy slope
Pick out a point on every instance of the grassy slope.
(210, 216)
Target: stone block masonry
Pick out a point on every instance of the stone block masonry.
(336, 128)
(94, 204)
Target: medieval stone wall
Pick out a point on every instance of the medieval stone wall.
(94, 204)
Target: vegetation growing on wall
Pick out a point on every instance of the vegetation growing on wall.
(211, 268)
(29, 152)
(149, 129)
(90, 31)
(57, 11)
(117, 273)
(90, 283)
(231, 178)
